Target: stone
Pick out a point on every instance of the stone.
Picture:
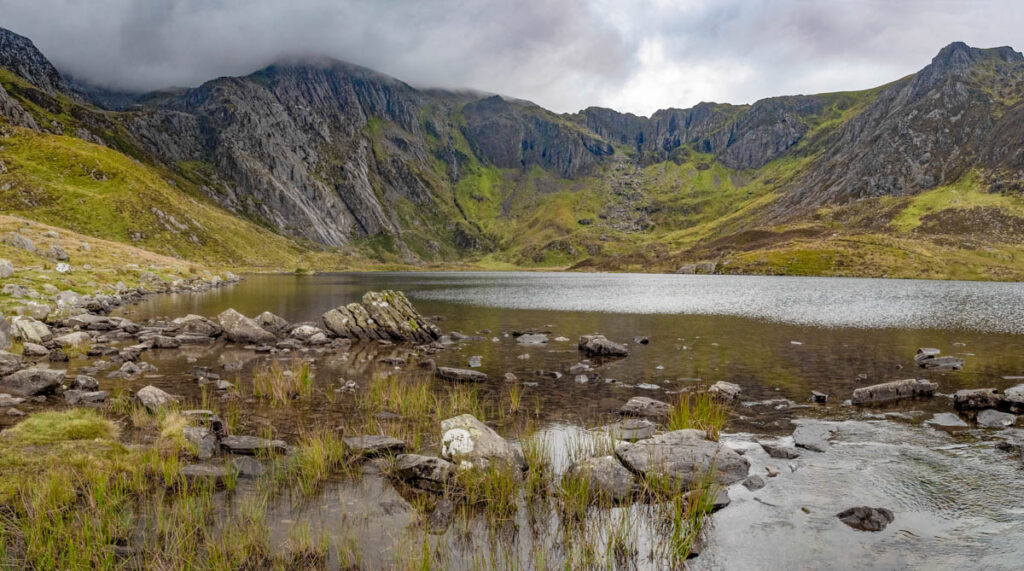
(725, 391)
(942, 363)
(511, 378)
(977, 399)
(813, 436)
(57, 253)
(753, 482)
(34, 310)
(475, 361)
(947, 421)
(193, 324)
(893, 391)
(213, 473)
(641, 340)
(153, 398)
(252, 445)
(370, 446)
(385, 315)
(272, 322)
(91, 322)
(7, 400)
(469, 443)
(779, 451)
(645, 407)
(77, 397)
(532, 339)
(32, 381)
(85, 383)
(240, 329)
(202, 439)
(633, 429)
(990, 418)
(685, 457)
(866, 519)
(77, 339)
(719, 498)
(63, 267)
(165, 342)
(600, 346)
(34, 350)
(818, 397)
(16, 240)
(460, 375)
(608, 479)
(6, 269)
(9, 363)
(424, 472)
(1013, 398)
(14, 412)
(30, 330)
(304, 332)
(247, 466)
(772, 471)
(6, 335)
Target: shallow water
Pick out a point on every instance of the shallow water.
(775, 337)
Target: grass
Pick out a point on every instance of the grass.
(701, 411)
(74, 424)
(280, 386)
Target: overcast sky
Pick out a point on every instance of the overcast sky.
(636, 56)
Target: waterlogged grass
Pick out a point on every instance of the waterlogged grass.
(280, 386)
(701, 411)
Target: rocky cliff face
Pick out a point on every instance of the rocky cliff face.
(20, 55)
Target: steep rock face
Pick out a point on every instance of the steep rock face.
(20, 55)
(13, 112)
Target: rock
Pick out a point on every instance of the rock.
(165, 342)
(63, 267)
(240, 329)
(153, 398)
(247, 466)
(304, 332)
(772, 471)
(599, 346)
(714, 499)
(57, 253)
(725, 391)
(14, 412)
(442, 516)
(990, 418)
(16, 240)
(252, 445)
(9, 363)
(1013, 397)
(6, 335)
(6, 269)
(215, 474)
(30, 330)
(633, 429)
(645, 407)
(7, 400)
(511, 378)
(470, 443)
(197, 325)
(58, 356)
(202, 439)
(532, 339)
(385, 315)
(866, 519)
(684, 457)
(76, 397)
(92, 322)
(813, 436)
(476, 361)
(608, 479)
(374, 445)
(272, 322)
(78, 339)
(641, 340)
(34, 350)
(460, 375)
(893, 391)
(34, 310)
(933, 361)
(947, 421)
(753, 482)
(32, 381)
(779, 451)
(424, 472)
(818, 398)
(85, 383)
(977, 399)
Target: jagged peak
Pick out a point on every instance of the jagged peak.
(21, 56)
(959, 54)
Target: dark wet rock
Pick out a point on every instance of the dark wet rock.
(977, 399)
(460, 375)
(641, 340)
(813, 436)
(633, 429)
(10, 362)
(153, 398)
(76, 397)
(215, 474)
(753, 482)
(947, 421)
(32, 381)
(990, 418)
(197, 325)
(725, 391)
(441, 518)
(893, 391)
(608, 479)
(683, 456)
(202, 439)
(165, 342)
(645, 407)
(818, 397)
(866, 519)
(424, 472)
(600, 346)
(532, 339)
(385, 315)
(369, 446)
(252, 445)
(942, 363)
(467, 441)
(247, 466)
(240, 329)
(779, 451)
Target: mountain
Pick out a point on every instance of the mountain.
(920, 177)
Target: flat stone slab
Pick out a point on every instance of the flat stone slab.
(893, 391)
(210, 472)
(369, 446)
(645, 407)
(460, 375)
(252, 445)
(684, 457)
(813, 436)
(947, 421)
(942, 363)
(76, 397)
(994, 419)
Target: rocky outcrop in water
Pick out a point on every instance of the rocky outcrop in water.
(893, 391)
(467, 442)
(684, 457)
(866, 518)
(385, 315)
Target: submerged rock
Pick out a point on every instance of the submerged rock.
(683, 456)
(893, 391)
(252, 445)
(240, 329)
(866, 519)
(947, 421)
(470, 443)
(645, 407)
(460, 375)
(369, 446)
(607, 478)
(424, 472)
(600, 346)
(813, 436)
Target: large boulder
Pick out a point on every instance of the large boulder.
(386, 315)
(977, 399)
(193, 324)
(272, 322)
(645, 407)
(683, 457)
(424, 472)
(607, 478)
(460, 375)
(9, 363)
(153, 398)
(16, 240)
(240, 329)
(32, 381)
(894, 391)
(470, 443)
(600, 346)
(30, 330)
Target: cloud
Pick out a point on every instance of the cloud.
(636, 56)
